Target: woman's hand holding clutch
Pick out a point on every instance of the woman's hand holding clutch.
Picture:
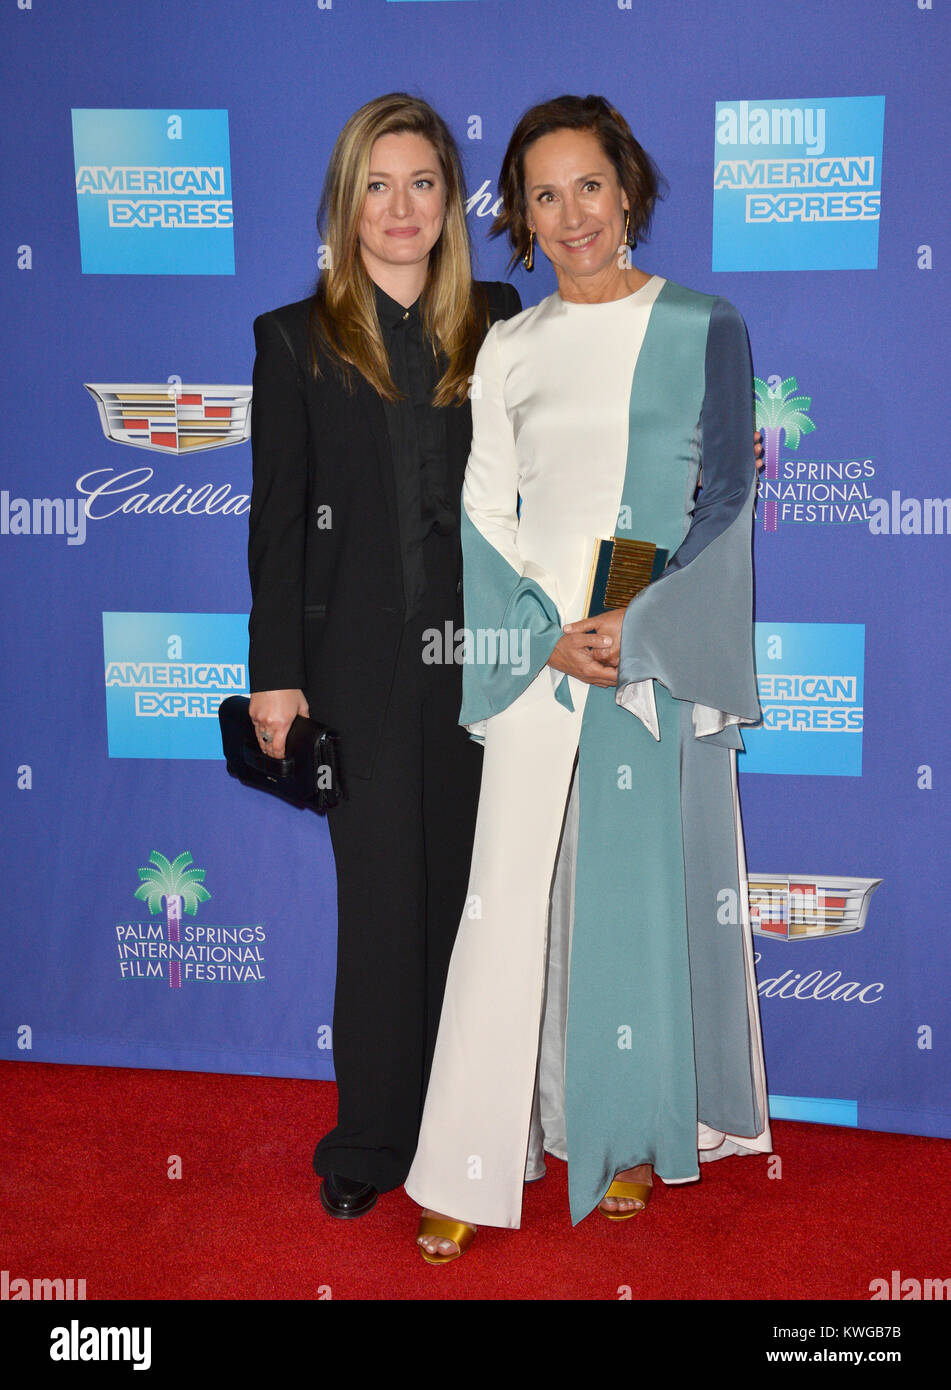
(272, 714)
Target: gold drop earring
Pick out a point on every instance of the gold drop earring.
(528, 260)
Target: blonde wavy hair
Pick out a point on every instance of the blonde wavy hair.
(343, 310)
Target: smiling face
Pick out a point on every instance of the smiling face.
(575, 204)
(405, 205)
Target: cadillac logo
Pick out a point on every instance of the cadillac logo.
(174, 419)
(801, 907)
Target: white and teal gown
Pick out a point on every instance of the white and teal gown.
(632, 1023)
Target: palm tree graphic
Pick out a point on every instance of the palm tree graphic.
(778, 410)
(180, 886)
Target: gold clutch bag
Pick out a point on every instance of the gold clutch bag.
(621, 568)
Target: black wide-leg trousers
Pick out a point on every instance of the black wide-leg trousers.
(402, 844)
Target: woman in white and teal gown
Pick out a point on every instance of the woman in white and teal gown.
(601, 1001)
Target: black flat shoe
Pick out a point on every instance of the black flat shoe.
(345, 1197)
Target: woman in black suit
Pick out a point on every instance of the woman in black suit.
(360, 435)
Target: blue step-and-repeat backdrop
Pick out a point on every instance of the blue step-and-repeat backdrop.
(165, 162)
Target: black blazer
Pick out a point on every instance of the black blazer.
(327, 590)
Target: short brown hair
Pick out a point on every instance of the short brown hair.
(636, 171)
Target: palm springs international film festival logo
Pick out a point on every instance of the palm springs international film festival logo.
(800, 490)
(169, 418)
(176, 951)
(153, 189)
(165, 676)
(797, 184)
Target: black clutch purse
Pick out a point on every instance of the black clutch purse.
(308, 774)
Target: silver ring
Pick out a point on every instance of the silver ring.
(267, 738)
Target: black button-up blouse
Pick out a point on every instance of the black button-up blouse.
(417, 431)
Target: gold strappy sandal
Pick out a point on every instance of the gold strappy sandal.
(444, 1229)
(638, 1191)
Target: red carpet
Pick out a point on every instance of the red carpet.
(86, 1194)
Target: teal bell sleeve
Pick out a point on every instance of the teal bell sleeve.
(691, 629)
(512, 614)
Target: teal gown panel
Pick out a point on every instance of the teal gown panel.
(658, 1031)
